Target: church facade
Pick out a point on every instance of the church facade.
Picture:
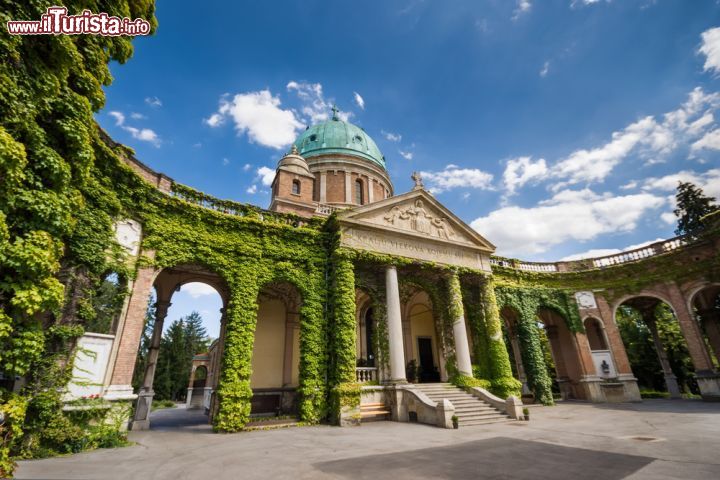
(347, 301)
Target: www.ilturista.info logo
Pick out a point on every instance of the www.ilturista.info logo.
(56, 21)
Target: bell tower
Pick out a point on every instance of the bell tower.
(293, 186)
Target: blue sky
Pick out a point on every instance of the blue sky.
(554, 128)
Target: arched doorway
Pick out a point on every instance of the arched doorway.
(705, 304)
(561, 354)
(510, 318)
(276, 351)
(184, 319)
(655, 346)
(423, 352)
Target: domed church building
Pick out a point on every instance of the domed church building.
(333, 164)
(347, 302)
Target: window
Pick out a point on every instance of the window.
(359, 192)
(296, 187)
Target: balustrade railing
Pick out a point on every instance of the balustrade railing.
(641, 253)
(238, 209)
(366, 374)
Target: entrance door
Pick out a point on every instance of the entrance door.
(428, 371)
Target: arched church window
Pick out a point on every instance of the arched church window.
(296, 187)
(359, 192)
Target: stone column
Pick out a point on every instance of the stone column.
(708, 379)
(395, 330)
(457, 312)
(323, 187)
(691, 331)
(670, 379)
(141, 420)
(348, 187)
(711, 322)
(292, 323)
(522, 376)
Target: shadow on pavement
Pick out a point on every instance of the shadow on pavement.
(494, 458)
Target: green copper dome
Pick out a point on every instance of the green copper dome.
(336, 136)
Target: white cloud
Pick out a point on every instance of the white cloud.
(246, 167)
(522, 170)
(710, 47)
(630, 185)
(143, 134)
(196, 289)
(454, 177)
(668, 217)
(153, 102)
(360, 101)
(252, 189)
(197, 145)
(266, 175)
(649, 138)
(545, 69)
(215, 120)
(393, 137)
(315, 108)
(523, 6)
(708, 181)
(570, 215)
(259, 115)
(118, 116)
(406, 155)
(602, 252)
(709, 141)
(137, 116)
(225, 161)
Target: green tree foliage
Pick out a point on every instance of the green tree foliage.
(183, 339)
(548, 358)
(643, 356)
(55, 223)
(692, 205)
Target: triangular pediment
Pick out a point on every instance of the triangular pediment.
(419, 215)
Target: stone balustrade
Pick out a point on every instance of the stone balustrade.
(366, 374)
(647, 251)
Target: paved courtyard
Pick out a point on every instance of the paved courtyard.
(657, 439)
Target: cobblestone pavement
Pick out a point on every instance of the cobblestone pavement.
(658, 439)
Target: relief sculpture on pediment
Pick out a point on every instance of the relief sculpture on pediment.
(416, 218)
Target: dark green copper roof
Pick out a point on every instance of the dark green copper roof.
(337, 136)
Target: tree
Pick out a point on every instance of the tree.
(692, 205)
(183, 339)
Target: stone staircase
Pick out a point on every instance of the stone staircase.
(374, 412)
(470, 410)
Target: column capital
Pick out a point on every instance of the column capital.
(161, 309)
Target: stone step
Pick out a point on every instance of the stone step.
(475, 423)
(451, 396)
(469, 408)
(374, 412)
(480, 416)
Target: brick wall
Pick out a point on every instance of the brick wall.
(133, 327)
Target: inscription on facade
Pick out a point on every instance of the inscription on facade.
(385, 243)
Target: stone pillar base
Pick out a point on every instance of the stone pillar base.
(620, 390)
(709, 383)
(143, 407)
